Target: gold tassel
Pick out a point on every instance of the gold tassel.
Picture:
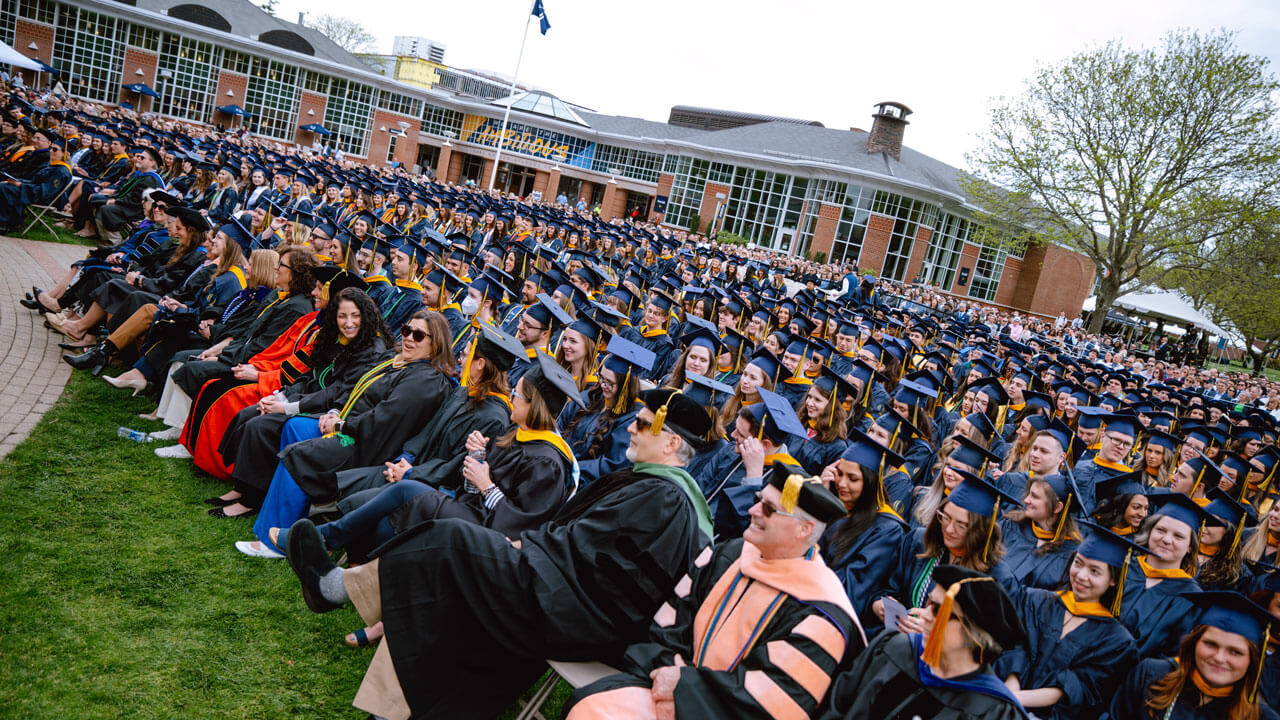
(1124, 573)
(1262, 658)
(932, 652)
(986, 548)
(465, 380)
(1062, 521)
(791, 492)
(618, 408)
(660, 417)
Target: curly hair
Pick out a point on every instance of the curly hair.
(329, 350)
(598, 403)
(300, 260)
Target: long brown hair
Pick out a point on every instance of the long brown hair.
(492, 380)
(539, 417)
(232, 256)
(975, 539)
(441, 356)
(195, 238)
(1070, 533)
(1164, 692)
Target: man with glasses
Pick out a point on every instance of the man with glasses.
(1118, 435)
(796, 614)
(471, 616)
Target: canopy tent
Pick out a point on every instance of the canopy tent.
(10, 56)
(317, 128)
(1164, 304)
(142, 89)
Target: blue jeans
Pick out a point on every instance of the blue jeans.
(285, 503)
(371, 518)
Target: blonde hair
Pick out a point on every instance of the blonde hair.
(262, 267)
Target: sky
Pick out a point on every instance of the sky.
(812, 59)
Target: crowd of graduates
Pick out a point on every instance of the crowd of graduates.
(752, 485)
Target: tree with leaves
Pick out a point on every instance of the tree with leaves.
(269, 6)
(1235, 280)
(348, 34)
(1131, 156)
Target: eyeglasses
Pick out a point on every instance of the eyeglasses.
(517, 394)
(642, 425)
(958, 525)
(769, 509)
(411, 332)
(283, 265)
(1120, 441)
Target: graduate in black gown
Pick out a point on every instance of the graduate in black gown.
(1076, 651)
(901, 677)
(1154, 609)
(1214, 675)
(471, 615)
(862, 548)
(758, 625)
(824, 417)
(1041, 538)
(597, 431)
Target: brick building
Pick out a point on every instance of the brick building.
(790, 185)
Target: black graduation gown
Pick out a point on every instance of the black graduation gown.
(382, 418)
(1158, 616)
(1032, 570)
(1130, 702)
(470, 619)
(1086, 665)
(664, 350)
(436, 451)
(270, 323)
(866, 566)
(761, 683)
(885, 684)
(535, 481)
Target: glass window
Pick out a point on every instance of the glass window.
(272, 97)
(235, 61)
(441, 121)
(42, 11)
(347, 114)
(943, 255)
(908, 215)
(8, 22)
(87, 48)
(399, 104)
(391, 147)
(187, 80)
(144, 37)
(689, 178)
(626, 162)
(987, 271)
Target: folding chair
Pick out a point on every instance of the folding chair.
(38, 212)
(576, 674)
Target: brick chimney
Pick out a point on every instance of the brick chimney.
(888, 124)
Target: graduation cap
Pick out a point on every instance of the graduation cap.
(1183, 509)
(809, 494)
(588, 327)
(497, 347)
(1130, 483)
(334, 279)
(676, 413)
(972, 454)
(1206, 471)
(913, 394)
(235, 230)
(1234, 613)
(776, 417)
(192, 219)
(768, 363)
(548, 313)
(556, 386)
(1033, 400)
(1126, 425)
(897, 426)
(984, 602)
(1103, 545)
(1071, 444)
(701, 333)
(706, 391)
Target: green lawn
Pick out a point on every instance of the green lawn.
(121, 598)
(61, 235)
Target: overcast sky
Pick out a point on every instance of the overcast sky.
(820, 60)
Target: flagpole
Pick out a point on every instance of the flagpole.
(506, 116)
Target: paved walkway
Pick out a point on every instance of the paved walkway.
(32, 373)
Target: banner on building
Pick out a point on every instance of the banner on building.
(529, 140)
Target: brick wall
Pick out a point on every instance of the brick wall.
(918, 250)
(1065, 280)
(27, 32)
(824, 229)
(968, 259)
(707, 210)
(875, 244)
(380, 140)
(135, 60)
(235, 83)
(1006, 291)
(316, 104)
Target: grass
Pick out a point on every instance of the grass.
(60, 235)
(120, 598)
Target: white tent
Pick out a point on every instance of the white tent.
(1168, 305)
(9, 56)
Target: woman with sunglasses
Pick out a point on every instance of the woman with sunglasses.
(524, 478)
(385, 406)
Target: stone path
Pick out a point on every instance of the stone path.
(32, 373)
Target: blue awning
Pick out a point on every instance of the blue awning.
(142, 89)
(235, 110)
(317, 128)
(46, 67)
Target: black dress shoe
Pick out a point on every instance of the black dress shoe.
(30, 304)
(219, 502)
(72, 347)
(94, 358)
(310, 562)
(222, 513)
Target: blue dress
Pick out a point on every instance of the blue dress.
(1086, 665)
(814, 455)
(582, 435)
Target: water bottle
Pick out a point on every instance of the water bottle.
(467, 485)
(135, 435)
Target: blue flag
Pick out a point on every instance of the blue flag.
(541, 13)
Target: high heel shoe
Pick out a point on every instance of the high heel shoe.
(137, 385)
(93, 359)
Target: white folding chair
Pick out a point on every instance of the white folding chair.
(576, 674)
(39, 212)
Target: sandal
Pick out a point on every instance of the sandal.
(360, 639)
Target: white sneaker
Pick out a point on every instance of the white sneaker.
(173, 451)
(169, 433)
(253, 548)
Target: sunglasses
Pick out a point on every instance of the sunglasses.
(769, 509)
(412, 332)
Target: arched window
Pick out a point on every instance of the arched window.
(287, 40)
(200, 15)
